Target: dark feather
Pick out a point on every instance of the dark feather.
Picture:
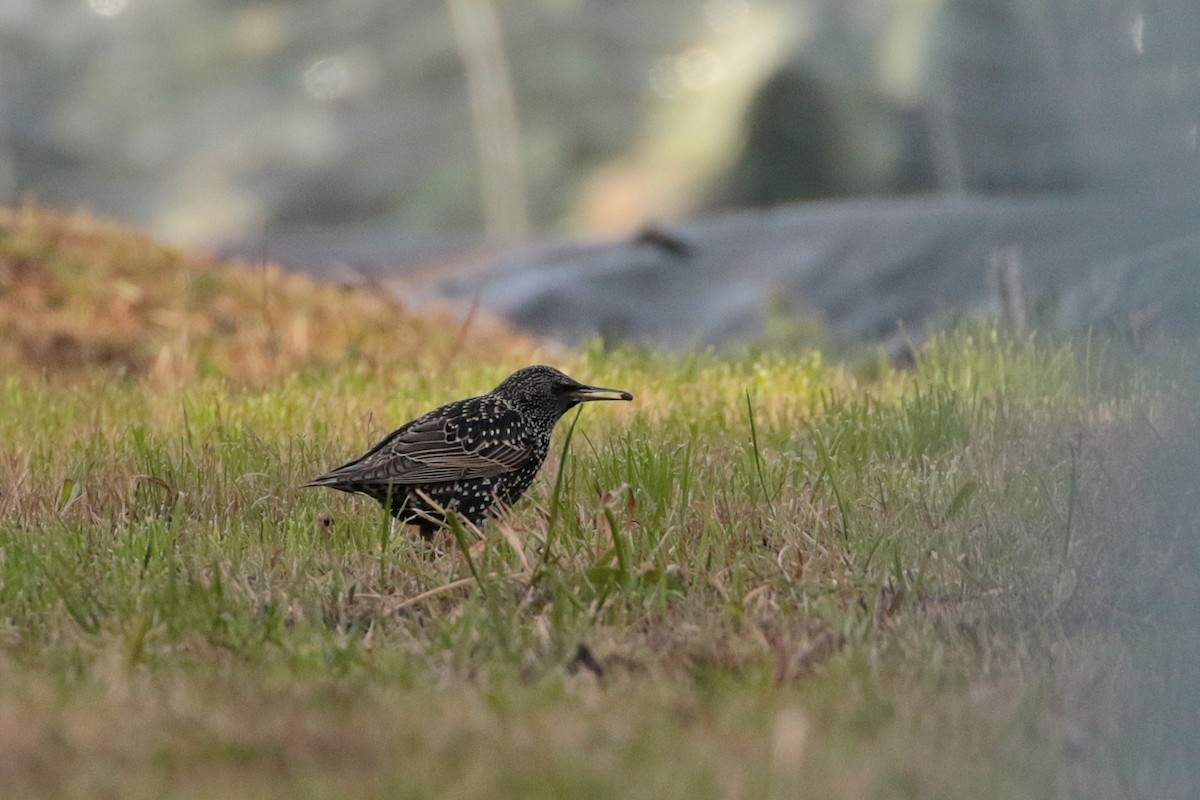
(468, 439)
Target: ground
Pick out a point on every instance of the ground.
(772, 575)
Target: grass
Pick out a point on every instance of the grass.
(979, 577)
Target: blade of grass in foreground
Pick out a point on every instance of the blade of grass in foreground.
(556, 494)
(758, 459)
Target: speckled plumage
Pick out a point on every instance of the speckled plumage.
(474, 457)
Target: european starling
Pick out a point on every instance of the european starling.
(474, 457)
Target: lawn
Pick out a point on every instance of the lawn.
(771, 575)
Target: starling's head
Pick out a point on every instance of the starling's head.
(547, 389)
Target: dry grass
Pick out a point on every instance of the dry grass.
(78, 293)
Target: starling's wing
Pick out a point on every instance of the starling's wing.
(476, 438)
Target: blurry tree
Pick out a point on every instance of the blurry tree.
(209, 120)
(1014, 96)
(354, 120)
(1052, 95)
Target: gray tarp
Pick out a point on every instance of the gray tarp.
(864, 267)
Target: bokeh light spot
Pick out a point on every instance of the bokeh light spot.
(327, 79)
(699, 68)
(108, 8)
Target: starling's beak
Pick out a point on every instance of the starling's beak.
(582, 394)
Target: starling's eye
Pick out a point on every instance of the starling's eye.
(561, 388)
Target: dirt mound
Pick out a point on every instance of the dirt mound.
(79, 294)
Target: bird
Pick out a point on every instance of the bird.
(474, 457)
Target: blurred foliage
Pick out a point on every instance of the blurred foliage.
(205, 120)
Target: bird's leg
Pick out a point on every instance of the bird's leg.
(500, 507)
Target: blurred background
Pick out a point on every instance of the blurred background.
(903, 156)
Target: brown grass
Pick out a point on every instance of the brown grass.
(79, 293)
